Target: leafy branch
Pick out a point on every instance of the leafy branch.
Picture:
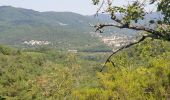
(132, 13)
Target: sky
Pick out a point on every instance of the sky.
(84, 7)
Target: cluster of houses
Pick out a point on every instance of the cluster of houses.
(115, 41)
(118, 41)
(35, 42)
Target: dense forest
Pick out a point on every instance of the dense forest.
(141, 72)
(45, 72)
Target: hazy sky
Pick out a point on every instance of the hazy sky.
(84, 7)
(78, 6)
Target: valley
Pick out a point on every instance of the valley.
(59, 56)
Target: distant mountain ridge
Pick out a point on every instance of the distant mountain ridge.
(10, 14)
(65, 30)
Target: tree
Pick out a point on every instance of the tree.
(131, 14)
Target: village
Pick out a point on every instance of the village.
(36, 42)
(116, 41)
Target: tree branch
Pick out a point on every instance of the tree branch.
(97, 12)
(125, 23)
(127, 46)
(156, 34)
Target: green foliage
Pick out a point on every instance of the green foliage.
(9, 51)
(96, 2)
(141, 72)
(135, 11)
(132, 12)
(44, 73)
(91, 94)
(164, 7)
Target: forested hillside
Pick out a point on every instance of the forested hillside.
(140, 72)
(63, 30)
(46, 73)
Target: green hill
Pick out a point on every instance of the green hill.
(65, 30)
